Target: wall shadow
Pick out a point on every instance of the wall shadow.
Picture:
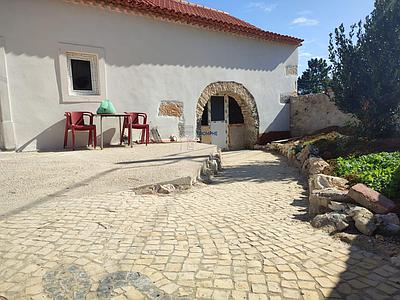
(361, 273)
(52, 139)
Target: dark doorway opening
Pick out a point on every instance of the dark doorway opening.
(235, 112)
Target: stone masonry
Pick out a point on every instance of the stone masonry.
(242, 237)
(171, 109)
(243, 97)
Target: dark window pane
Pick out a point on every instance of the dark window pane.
(204, 117)
(235, 112)
(217, 108)
(81, 75)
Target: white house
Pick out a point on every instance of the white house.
(190, 68)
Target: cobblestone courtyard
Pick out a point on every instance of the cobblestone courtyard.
(242, 237)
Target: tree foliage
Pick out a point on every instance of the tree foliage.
(316, 78)
(366, 69)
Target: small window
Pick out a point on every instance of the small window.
(83, 73)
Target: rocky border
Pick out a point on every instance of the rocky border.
(210, 168)
(334, 204)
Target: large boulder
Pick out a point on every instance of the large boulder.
(322, 181)
(371, 199)
(331, 222)
(363, 219)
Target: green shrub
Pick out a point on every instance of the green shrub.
(380, 171)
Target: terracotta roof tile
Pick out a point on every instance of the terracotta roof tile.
(182, 11)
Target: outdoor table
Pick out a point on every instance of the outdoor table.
(116, 115)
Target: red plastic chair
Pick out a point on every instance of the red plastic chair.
(138, 121)
(75, 122)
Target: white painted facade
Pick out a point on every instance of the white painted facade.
(146, 61)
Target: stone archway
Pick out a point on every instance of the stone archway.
(243, 97)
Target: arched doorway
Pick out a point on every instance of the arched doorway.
(232, 116)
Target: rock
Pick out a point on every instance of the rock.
(316, 165)
(395, 260)
(371, 199)
(388, 224)
(322, 181)
(319, 200)
(390, 229)
(387, 219)
(213, 166)
(364, 219)
(317, 205)
(333, 194)
(306, 152)
(166, 189)
(332, 222)
(218, 159)
(338, 207)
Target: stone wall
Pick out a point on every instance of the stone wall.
(310, 113)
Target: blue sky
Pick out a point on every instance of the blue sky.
(311, 20)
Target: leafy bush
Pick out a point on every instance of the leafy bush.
(365, 70)
(380, 171)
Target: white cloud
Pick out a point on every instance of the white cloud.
(262, 6)
(302, 21)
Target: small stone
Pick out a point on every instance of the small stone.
(166, 189)
(371, 199)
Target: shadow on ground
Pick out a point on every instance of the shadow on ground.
(366, 273)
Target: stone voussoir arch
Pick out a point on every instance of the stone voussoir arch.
(242, 96)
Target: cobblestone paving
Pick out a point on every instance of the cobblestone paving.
(243, 237)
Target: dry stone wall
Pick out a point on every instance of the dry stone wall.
(313, 112)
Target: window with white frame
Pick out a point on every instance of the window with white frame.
(82, 73)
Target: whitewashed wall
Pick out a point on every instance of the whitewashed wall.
(147, 61)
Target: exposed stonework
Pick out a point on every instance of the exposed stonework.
(291, 70)
(242, 96)
(171, 109)
(313, 112)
